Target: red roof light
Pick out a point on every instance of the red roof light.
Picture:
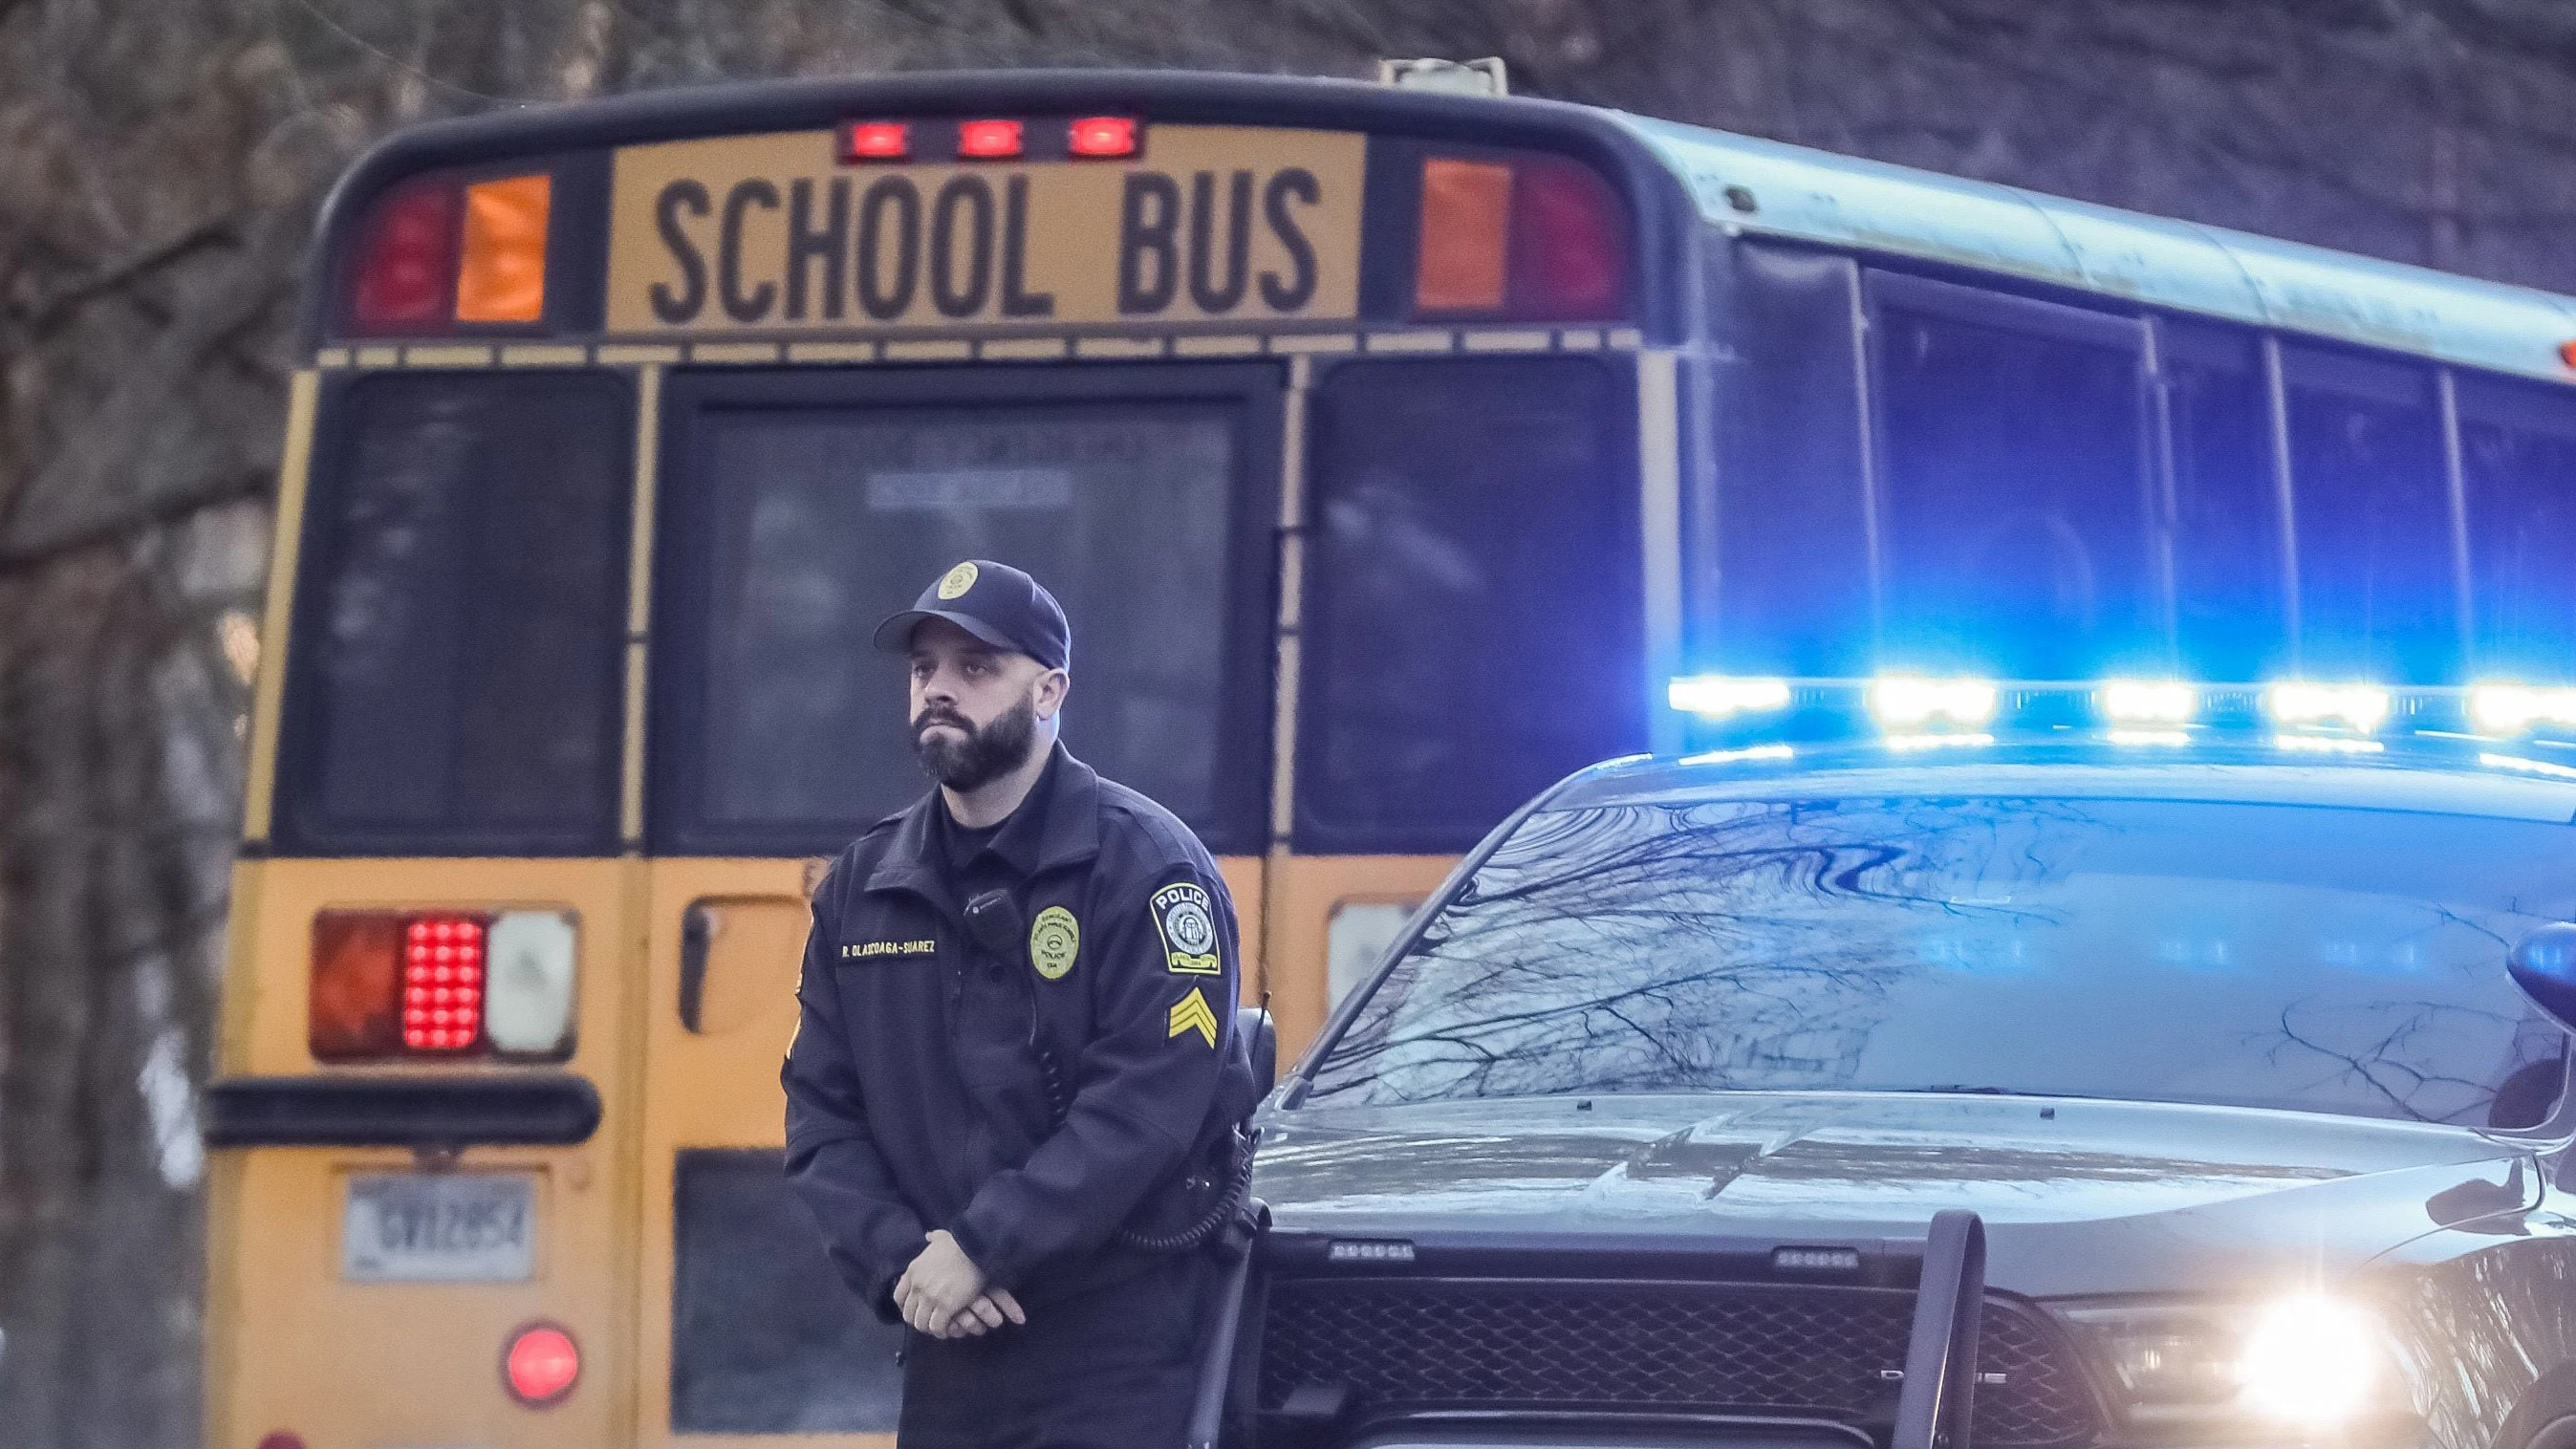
(988, 140)
(1103, 136)
(876, 141)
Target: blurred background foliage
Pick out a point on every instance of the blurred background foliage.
(160, 165)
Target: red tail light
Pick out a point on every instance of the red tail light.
(406, 274)
(1102, 136)
(1569, 243)
(443, 983)
(1535, 238)
(988, 140)
(540, 1364)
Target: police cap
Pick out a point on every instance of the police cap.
(994, 602)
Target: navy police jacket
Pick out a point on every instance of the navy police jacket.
(918, 1087)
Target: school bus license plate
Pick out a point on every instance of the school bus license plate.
(440, 1227)
(772, 234)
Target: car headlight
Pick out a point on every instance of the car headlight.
(2308, 1360)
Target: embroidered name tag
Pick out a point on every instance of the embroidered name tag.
(853, 950)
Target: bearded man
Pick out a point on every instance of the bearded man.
(1014, 1094)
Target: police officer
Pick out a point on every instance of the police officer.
(1013, 1099)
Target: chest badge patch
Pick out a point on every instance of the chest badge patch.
(1054, 939)
(1193, 1014)
(1187, 920)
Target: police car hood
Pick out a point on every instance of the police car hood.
(2077, 1196)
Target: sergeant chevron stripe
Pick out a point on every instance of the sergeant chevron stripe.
(1191, 1013)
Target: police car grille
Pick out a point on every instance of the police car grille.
(1397, 1346)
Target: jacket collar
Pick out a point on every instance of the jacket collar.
(1057, 825)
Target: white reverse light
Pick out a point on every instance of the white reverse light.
(2358, 707)
(528, 999)
(2310, 1360)
(2510, 709)
(1903, 701)
(1715, 696)
(2149, 702)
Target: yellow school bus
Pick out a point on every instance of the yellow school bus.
(1391, 452)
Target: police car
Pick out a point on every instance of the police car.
(2053, 1067)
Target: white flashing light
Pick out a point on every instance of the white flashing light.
(1936, 741)
(2150, 737)
(2327, 744)
(2360, 707)
(2528, 767)
(1904, 701)
(2511, 709)
(2149, 701)
(1749, 752)
(2310, 1360)
(1716, 696)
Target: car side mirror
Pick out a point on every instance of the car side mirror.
(2543, 964)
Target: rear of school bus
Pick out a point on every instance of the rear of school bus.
(1341, 419)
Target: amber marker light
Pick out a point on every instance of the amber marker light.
(988, 140)
(1102, 136)
(356, 1002)
(503, 275)
(1466, 233)
(2567, 353)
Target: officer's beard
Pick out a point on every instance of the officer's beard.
(985, 755)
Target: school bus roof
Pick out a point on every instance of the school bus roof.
(1672, 173)
(1842, 201)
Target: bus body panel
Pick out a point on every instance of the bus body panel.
(364, 1363)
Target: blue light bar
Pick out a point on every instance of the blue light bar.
(1906, 702)
(2512, 709)
(2297, 702)
(1717, 696)
(2149, 702)
(1732, 712)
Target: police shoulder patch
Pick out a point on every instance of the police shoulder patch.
(1186, 919)
(1055, 938)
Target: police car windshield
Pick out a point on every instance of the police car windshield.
(2262, 955)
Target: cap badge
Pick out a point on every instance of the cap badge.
(956, 581)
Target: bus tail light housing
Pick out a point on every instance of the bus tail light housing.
(419, 984)
(1532, 237)
(438, 252)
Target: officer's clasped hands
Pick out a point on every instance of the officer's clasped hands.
(942, 1294)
